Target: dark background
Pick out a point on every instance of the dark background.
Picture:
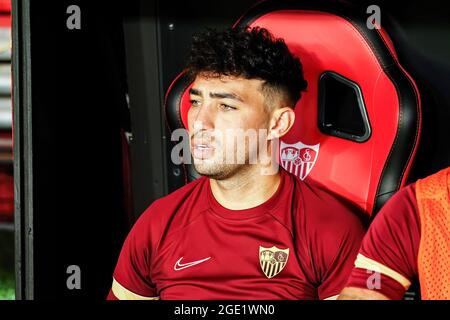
(71, 107)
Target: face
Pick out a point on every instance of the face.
(224, 112)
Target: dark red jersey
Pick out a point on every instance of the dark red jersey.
(390, 248)
(300, 244)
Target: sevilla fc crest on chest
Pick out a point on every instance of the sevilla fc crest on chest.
(298, 158)
(272, 260)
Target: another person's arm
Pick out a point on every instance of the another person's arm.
(387, 261)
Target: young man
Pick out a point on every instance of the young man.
(239, 232)
(409, 239)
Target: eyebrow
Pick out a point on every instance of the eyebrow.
(195, 92)
(218, 95)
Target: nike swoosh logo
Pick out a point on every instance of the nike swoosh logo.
(180, 266)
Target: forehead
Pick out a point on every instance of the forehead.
(244, 88)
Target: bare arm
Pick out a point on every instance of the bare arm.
(352, 293)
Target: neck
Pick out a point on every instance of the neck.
(246, 190)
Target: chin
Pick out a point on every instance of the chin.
(217, 171)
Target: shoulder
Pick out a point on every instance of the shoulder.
(175, 209)
(405, 197)
(400, 211)
(189, 192)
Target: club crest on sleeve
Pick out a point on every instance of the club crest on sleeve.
(298, 158)
(273, 260)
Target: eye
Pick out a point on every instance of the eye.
(227, 107)
(194, 103)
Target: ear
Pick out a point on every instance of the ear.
(281, 122)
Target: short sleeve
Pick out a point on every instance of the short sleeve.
(333, 231)
(390, 247)
(340, 246)
(132, 279)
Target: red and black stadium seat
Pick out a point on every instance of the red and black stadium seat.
(358, 125)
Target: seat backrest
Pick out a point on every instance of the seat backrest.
(358, 125)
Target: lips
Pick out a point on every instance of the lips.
(201, 150)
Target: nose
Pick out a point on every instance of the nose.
(203, 115)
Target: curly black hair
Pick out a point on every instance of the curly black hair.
(251, 53)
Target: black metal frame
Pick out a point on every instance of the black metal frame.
(23, 149)
(148, 143)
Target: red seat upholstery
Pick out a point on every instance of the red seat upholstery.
(357, 127)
